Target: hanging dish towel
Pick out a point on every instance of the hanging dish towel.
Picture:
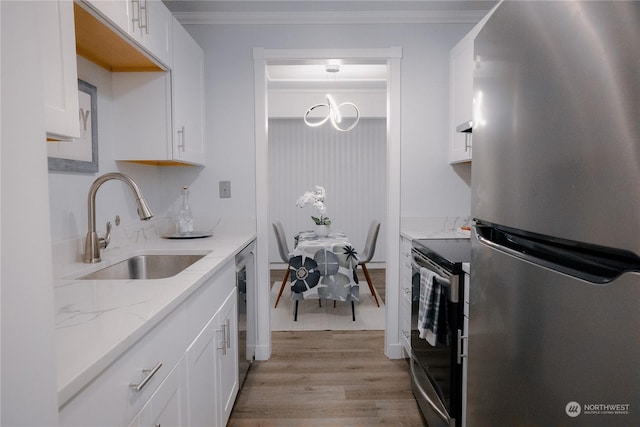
(429, 308)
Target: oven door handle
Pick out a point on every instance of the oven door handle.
(445, 278)
(420, 260)
(442, 414)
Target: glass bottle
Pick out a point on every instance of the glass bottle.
(185, 218)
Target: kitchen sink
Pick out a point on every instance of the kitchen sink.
(144, 267)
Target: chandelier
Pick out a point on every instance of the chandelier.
(334, 110)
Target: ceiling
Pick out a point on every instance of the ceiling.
(322, 12)
(328, 11)
(316, 76)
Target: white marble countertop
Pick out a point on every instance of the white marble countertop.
(414, 228)
(96, 321)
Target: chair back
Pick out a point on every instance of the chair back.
(281, 240)
(370, 244)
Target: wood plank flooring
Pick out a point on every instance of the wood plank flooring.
(327, 378)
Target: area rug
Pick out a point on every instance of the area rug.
(312, 317)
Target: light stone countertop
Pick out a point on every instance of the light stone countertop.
(414, 228)
(96, 321)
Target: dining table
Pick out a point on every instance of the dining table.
(324, 267)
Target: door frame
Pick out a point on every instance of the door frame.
(392, 57)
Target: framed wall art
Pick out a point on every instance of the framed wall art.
(80, 154)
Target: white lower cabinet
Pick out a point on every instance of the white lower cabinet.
(109, 399)
(227, 358)
(201, 375)
(212, 368)
(195, 351)
(166, 407)
(404, 298)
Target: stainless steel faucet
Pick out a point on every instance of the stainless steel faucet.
(93, 243)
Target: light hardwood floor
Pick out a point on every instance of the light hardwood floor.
(327, 378)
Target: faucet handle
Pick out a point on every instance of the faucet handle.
(104, 241)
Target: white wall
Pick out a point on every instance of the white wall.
(294, 104)
(28, 368)
(28, 361)
(161, 186)
(351, 166)
(426, 174)
(229, 134)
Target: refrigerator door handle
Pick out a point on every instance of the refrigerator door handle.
(461, 353)
(594, 264)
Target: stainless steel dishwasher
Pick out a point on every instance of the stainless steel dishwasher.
(246, 287)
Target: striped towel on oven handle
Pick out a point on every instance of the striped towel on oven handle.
(429, 308)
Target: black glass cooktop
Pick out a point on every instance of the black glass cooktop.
(448, 253)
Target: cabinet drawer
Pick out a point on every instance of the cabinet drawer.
(203, 304)
(109, 400)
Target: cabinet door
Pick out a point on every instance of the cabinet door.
(227, 364)
(59, 68)
(116, 12)
(142, 116)
(212, 367)
(166, 407)
(201, 376)
(157, 33)
(461, 93)
(187, 78)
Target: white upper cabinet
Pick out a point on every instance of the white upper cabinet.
(151, 25)
(159, 115)
(147, 23)
(116, 12)
(142, 117)
(187, 81)
(461, 95)
(59, 70)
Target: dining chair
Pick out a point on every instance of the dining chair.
(367, 255)
(283, 249)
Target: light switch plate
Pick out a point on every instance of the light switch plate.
(225, 189)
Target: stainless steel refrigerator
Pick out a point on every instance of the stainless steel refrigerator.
(554, 322)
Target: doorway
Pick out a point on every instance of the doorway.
(389, 56)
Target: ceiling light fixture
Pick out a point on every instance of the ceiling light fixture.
(333, 109)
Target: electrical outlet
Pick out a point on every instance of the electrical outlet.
(225, 189)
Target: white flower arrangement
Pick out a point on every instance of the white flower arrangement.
(316, 198)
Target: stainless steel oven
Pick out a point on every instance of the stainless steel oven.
(437, 366)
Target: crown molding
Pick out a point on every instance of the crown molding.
(324, 87)
(328, 18)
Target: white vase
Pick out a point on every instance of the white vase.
(322, 230)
